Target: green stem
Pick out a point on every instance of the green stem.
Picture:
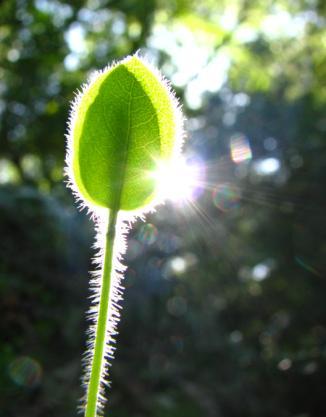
(97, 366)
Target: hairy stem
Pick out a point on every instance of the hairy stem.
(97, 366)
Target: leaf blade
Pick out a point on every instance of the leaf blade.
(125, 122)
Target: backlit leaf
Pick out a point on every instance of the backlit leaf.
(123, 124)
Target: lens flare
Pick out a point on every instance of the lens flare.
(240, 148)
(25, 371)
(147, 234)
(226, 197)
(179, 181)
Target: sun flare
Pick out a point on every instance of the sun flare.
(178, 181)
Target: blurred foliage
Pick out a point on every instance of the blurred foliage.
(225, 310)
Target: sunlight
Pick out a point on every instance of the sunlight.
(192, 67)
(179, 181)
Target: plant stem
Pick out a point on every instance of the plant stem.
(97, 366)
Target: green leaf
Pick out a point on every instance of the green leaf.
(123, 124)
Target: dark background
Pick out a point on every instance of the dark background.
(224, 312)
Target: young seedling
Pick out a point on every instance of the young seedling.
(125, 126)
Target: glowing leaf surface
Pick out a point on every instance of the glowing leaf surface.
(123, 124)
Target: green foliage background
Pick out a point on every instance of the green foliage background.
(219, 338)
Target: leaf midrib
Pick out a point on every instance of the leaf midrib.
(123, 166)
